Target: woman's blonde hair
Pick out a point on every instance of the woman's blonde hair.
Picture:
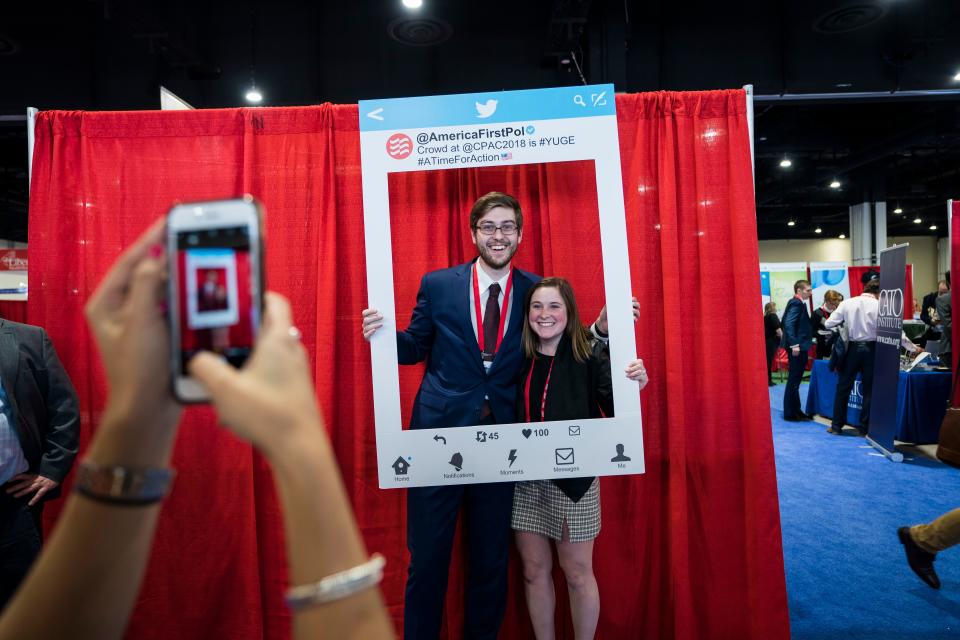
(833, 296)
(579, 336)
(770, 306)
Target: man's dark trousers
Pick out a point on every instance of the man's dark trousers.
(791, 394)
(19, 544)
(431, 523)
(859, 359)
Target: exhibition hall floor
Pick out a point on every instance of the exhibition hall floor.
(840, 506)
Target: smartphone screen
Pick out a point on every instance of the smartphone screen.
(215, 303)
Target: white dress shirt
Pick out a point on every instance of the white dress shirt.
(12, 460)
(859, 315)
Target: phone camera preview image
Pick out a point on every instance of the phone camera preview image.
(216, 303)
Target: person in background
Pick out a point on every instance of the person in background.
(859, 314)
(772, 334)
(85, 582)
(39, 437)
(565, 376)
(831, 299)
(923, 542)
(797, 340)
(928, 313)
(945, 315)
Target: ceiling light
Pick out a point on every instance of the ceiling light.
(842, 236)
(786, 163)
(818, 230)
(956, 78)
(254, 96)
(413, 4)
(835, 184)
(917, 221)
(933, 227)
(791, 223)
(898, 210)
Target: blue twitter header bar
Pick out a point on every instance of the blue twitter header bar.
(487, 108)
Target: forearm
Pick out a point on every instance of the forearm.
(97, 555)
(323, 538)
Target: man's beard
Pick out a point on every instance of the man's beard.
(493, 261)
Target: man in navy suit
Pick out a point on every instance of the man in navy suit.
(797, 340)
(467, 325)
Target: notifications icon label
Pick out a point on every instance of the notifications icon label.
(399, 146)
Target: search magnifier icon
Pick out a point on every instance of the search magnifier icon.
(578, 99)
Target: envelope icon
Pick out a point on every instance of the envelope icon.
(564, 456)
(574, 430)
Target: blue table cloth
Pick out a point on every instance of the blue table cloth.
(921, 401)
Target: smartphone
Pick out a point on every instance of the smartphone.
(215, 296)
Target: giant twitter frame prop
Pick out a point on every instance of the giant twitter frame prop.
(393, 138)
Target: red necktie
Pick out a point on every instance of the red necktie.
(491, 322)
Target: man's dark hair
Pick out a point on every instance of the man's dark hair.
(872, 274)
(872, 287)
(800, 284)
(492, 200)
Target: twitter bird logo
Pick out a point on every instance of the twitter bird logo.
(486, 109)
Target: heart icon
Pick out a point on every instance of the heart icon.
(526, 432)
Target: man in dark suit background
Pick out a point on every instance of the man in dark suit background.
(797, 340)
(470, 379)
(39, 436)
(928, 313)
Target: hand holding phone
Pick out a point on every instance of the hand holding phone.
(214, 252)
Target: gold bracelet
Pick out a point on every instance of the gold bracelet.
(338, 585)
(124, 486)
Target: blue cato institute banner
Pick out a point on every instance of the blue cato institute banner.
(886, 370)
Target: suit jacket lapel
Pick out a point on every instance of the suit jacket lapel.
(9, 360)
(462, 295)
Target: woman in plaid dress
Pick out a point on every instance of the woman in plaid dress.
(564, 377)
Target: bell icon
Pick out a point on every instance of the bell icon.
(456, 460)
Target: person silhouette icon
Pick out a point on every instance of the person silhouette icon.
(620, 457)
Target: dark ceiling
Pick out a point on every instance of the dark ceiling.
(109, 55)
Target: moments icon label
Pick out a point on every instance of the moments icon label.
(399, 146)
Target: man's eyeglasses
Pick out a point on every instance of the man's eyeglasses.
(489, 228)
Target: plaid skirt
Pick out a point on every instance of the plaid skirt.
(540, 507)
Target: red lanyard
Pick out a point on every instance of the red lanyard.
(546, 385)
(503, 312)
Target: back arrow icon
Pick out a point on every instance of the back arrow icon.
(439, 438)
(375, 114)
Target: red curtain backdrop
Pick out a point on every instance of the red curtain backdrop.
(13, 310)
(856, 286)
(690, 550)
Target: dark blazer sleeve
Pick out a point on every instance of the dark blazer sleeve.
(62, 435)
(602, 382)
(414, 343)
(791, 322)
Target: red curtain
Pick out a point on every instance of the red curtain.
(13, 310)
(856, 286)
(689, 550)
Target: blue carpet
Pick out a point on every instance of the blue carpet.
(840, 507)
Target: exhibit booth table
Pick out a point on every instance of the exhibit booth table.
(921, 401)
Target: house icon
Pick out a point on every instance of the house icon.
(400, 466)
